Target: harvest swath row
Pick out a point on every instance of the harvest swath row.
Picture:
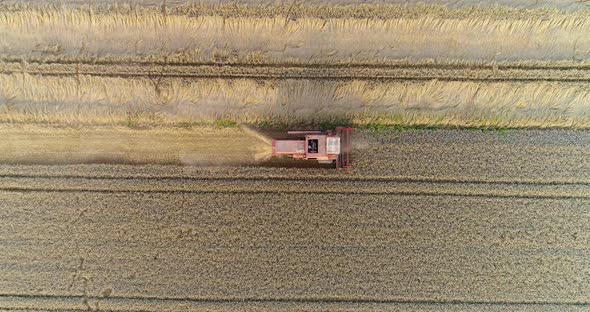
(408, 71)
(161, 101)
(181, 63)
(470, 34)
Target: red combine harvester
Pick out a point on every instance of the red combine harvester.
(327, 147)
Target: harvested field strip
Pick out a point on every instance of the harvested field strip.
(84, 34)
(155, 100)
(444, 73)
(163, 65)
(411, 65)
(204, 145)
(492, 156)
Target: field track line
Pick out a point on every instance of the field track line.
(505, 66)
(419, 72)
(280, 191)
(302, 300)
(352, 179)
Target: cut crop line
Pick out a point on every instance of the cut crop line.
(350, 179)
(306, 77)
(258, 191)
(308, 73)
(408, 65)
(333, 300)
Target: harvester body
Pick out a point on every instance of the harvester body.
(323, 146)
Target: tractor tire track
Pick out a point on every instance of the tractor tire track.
(118, 302)
(311, 72)
(330, 178)
(384, 64)
(285, 185)
(262, 192)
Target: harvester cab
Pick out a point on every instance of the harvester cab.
(327, 147)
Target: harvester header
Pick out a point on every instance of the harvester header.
(327, 147)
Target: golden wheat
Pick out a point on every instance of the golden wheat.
(293, 35)
(102, 100)
(41, 144)
(82, 33)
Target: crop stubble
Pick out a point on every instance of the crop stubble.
(192, 146)
(516, 69)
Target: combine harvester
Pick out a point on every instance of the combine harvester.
(327, 147)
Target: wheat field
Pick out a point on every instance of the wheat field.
(293, 35)
(462, 220)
